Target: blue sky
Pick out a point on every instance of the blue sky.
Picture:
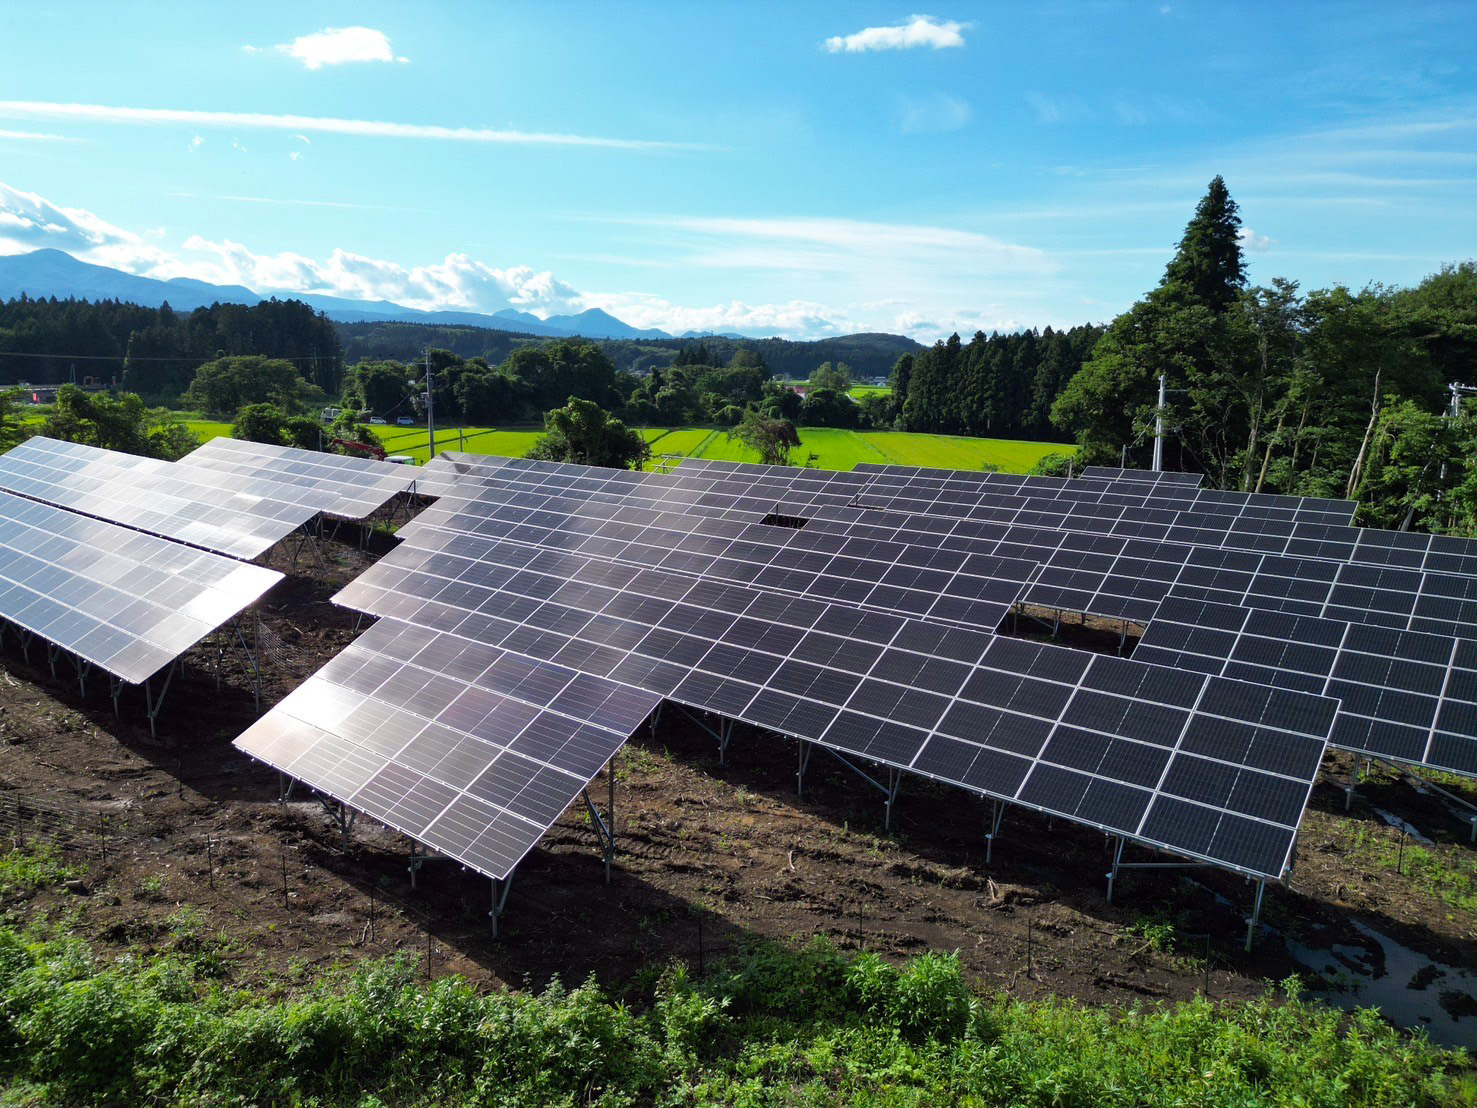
(797, 169)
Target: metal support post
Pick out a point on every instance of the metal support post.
(997, 813)
(805, 751)
(604, 825)
(1256, 913)
(500, 890)
(156, 703)
(84, 667)
(52, 652)
(342, 815)
(656, 718)
(1113, 873)
(417, 859)
(894, 783)
(725, 735)
(1158, 465)
(284, 788)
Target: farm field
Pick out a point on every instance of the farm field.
(835, 448)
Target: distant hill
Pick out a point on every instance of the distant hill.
(868, 355)
(46, 273)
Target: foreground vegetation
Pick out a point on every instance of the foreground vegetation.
(769, 1026)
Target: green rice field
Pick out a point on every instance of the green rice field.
(834, 448)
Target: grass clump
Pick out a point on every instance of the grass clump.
(768, 1025)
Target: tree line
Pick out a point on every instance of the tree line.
(155, 351)
(1328, 393)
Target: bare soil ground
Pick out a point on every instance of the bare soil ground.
(184, 835)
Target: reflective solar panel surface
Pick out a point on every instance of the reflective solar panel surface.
(214, 511)
(350, 488)
(127, 602)
(1109, 473)
(1403, 695)
(470, 749)
(1211, 768)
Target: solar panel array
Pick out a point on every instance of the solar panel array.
(1403, 695)
(214, 511)
(1070, 570)
(336, 484)
(125, 601)
(1214, 769)
(1143, 476)
(856, 611)
(468, 748)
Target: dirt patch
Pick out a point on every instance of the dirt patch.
(185, 844)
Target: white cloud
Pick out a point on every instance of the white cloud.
(196, 143)
(29, 222)
(33, 136)
(918, 31)
(876, 276)
(933, 113)
(1250, 240)
(295, 156)
(458, 282)
(303, 139)
(340, 45)
(365, 128)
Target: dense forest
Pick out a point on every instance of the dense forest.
(155, 351)
(869, 355)
(1001, 386)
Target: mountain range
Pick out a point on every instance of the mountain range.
(42, 274)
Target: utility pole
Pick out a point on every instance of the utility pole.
(1158, 466)
(430, 403)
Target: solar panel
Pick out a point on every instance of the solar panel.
(893, 576)
(209, 510)
(350, 488)
(127, 602)
(1142, 476)
(473, 750)
(1004, 717)
(1108, 575)
(1403, 695)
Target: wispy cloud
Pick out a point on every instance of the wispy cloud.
(932, 113)
(297, 202)
(339, 46)
(920, 31)
(33, 136)
(363, 128)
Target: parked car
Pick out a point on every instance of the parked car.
(405, 421)
(377, 421)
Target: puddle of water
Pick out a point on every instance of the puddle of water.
(1408, 988)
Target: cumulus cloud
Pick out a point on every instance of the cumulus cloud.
(30, 222)
(901, 255)
(339, 46)
(918, 32)
(457, 282)
(1250, 240)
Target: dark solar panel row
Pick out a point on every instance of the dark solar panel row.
(975, 590)
(1216, 770)
(473, 750)
(1404, 696)
(1103, 575)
